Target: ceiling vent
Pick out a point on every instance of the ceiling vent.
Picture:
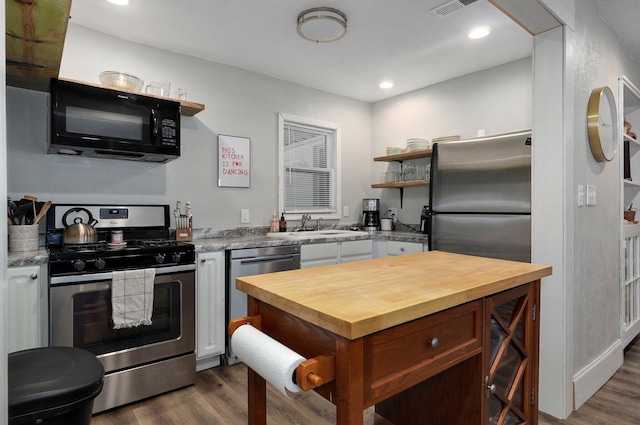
(446, 9)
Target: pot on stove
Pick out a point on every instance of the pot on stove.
(79, 232)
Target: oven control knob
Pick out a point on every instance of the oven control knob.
(100, 263)
(78, 265)
(176, 257)
(160, 258)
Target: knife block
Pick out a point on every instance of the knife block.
(185, 234)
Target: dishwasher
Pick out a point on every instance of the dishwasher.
(248, 262)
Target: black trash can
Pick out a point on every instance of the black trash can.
(53, 386)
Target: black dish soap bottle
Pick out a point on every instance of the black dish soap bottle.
(283, 223)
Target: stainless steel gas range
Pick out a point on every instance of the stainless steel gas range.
(144, 359)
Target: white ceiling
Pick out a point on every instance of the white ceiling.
(399, 40)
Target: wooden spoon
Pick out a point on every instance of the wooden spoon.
(42, 212)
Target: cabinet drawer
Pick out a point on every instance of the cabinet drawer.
(352, 248)
(320, 251)
(400, 248)
(402, 356)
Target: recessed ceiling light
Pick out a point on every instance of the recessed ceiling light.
(119, 2)
(479, 32)
(386, 85)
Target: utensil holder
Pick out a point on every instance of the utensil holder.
(185, 234)
(628, 215)
(23, 238)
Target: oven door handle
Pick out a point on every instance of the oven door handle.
(92, 277)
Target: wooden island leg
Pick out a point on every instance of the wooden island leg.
(349, 382)
(257, 403)
(256, 384)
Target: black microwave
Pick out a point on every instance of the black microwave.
(105, 123)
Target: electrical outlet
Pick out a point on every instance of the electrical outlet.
(244, 216)
(393, 212)
(345, 211)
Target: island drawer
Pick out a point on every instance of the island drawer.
(402, 356)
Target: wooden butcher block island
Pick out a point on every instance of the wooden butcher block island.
(428, 338)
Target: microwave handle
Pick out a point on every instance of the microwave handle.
(154, 126)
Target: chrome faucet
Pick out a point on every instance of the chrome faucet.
(318, 221)
(305, 219)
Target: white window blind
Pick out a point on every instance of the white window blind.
(309, 168)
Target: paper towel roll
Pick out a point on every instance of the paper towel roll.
(275, 362)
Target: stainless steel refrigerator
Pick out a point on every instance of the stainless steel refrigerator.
(480, 197)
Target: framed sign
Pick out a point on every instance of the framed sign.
(234, 161)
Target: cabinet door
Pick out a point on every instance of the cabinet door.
(511, 379)
(321, 254)
(27, 308)
(356, 250)
(210, 321)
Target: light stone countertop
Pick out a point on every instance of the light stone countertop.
(207, 241)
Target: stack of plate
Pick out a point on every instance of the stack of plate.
(446, 139)
(417, 145)
(393, 150)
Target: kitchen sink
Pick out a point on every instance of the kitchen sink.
(314, 234)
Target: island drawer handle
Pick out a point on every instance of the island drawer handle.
(434, 342)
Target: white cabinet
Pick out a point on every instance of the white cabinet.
(210, 308)
(629, 107)
(27, 308)
(390, 248)
(356, 250)
(401, 248)
(321, 254)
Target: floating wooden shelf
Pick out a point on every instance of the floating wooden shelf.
(400, 184)
(404, 156)
(188, 109)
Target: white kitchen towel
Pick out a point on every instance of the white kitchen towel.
(132, 297)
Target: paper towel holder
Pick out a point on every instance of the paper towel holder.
(255, 321)
(316, 371)
(310, 373)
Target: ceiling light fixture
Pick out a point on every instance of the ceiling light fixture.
(119, 2)
(322, 24)
(386, 85)
(479, 32)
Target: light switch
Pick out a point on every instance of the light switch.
(581, 195)
(345, 211)
(244, 215)
(591, 194)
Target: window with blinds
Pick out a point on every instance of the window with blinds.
(309, 167)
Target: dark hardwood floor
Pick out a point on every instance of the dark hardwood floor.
(616, 403)
(219, 398)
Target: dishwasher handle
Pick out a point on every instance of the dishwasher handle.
(267, 259)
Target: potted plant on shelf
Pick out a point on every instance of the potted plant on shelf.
(630, 214)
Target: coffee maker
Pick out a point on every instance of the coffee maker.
(370, 214)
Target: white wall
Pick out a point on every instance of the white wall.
(598, 61)
(239, 103)
(497, 100)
